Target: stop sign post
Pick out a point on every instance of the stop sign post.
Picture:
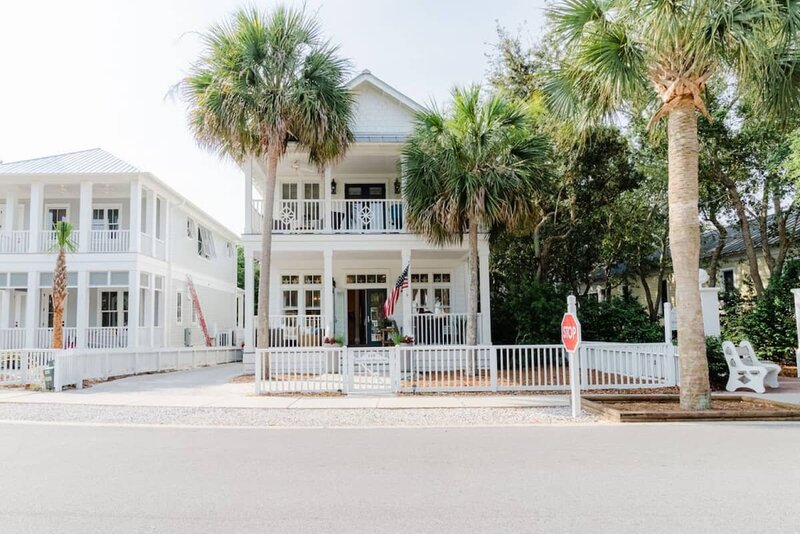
(571, 339)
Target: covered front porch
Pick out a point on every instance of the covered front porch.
(97, 314)
(341, 294)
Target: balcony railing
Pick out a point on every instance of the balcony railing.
(14, 242)
(109, 241)
(335, 216)
(47, 240)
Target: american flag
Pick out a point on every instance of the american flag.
(399, 286)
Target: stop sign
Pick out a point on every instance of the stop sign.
(570, 332)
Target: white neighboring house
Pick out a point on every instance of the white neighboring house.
(138, 241)
(341, 241)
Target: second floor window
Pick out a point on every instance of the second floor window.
(205, 243)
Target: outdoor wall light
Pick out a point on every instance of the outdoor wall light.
(333, 187)
(397, 186)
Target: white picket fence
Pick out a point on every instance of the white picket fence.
(23, 366)
(446, 368)
(72, 367)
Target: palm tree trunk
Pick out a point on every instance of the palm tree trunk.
(271, 171)
(472, 301)
(59, 298)
(684, 229)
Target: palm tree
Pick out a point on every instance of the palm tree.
(265, 80)
(620, 55)
(64, 244)
(478, 165)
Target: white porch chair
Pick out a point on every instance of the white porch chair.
(741, 375)
(749, 357)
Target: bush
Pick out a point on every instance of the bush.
(528, 313)
(767, 321)
(717, 367)
(622, 319)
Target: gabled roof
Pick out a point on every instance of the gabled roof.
(367, 77)
(92, 161)
(734, 241)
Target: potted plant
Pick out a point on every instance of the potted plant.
(400, 340)
(336, 341)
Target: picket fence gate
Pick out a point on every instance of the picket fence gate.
(449, 368)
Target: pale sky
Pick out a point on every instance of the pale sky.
(81, 74)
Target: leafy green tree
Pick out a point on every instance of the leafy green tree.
(478, 164)
(264, 80)
(63, 244)
(620, 54)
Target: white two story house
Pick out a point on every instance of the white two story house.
(341, 240)
(138, 244)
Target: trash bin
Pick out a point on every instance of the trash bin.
(48, 378)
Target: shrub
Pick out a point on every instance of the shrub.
(621, 319)
(717, 367)
(767, 321)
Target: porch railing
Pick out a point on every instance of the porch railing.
(335, 216)
(296, 330)
(109, 240)
(442, 329)
(47, 240)
(14, 242)
(44, 338)
(12, 338)
(107, 337)
(20, 367)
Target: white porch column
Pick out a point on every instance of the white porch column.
(32, 309)
(135, 214)
(249, 302)
(133, 308)
(486, 314)
(11, 211)
(82, 320)
(37, 199)
(327, 290)
(327, 209)
(85, 217)
(796, 293)
(248, 198)
(408, 308)
(5, 308)
(151, 221)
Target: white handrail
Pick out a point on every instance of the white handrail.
(14, 242)
(109, 240)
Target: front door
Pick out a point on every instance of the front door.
(364, 315)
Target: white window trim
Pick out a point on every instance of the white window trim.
(58, 206)
(301, 288)
(120, 307)
(106, 207)
(179, 308)
(430, 286)
(369, 285)
(722, 275)
(190, 222)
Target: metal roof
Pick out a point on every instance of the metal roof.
(92, 161)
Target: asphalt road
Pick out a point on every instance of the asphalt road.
(592, 478)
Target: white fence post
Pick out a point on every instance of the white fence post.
(394, 369)
(493, 367)
(258, 356)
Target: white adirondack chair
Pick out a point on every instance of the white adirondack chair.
(741, 375)
(749, 357)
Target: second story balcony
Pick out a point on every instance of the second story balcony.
(335, 216)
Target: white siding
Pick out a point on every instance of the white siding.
(376, 112)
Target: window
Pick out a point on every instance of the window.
(289, 191)
(179, 308)
(366, 278)
(431, 292)
(728, 280)
(205, 243)
(109, 308)
(230, 249)
(664, 292)
(301, 294)
(56, 214)
(190, 231)
(105, 219)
